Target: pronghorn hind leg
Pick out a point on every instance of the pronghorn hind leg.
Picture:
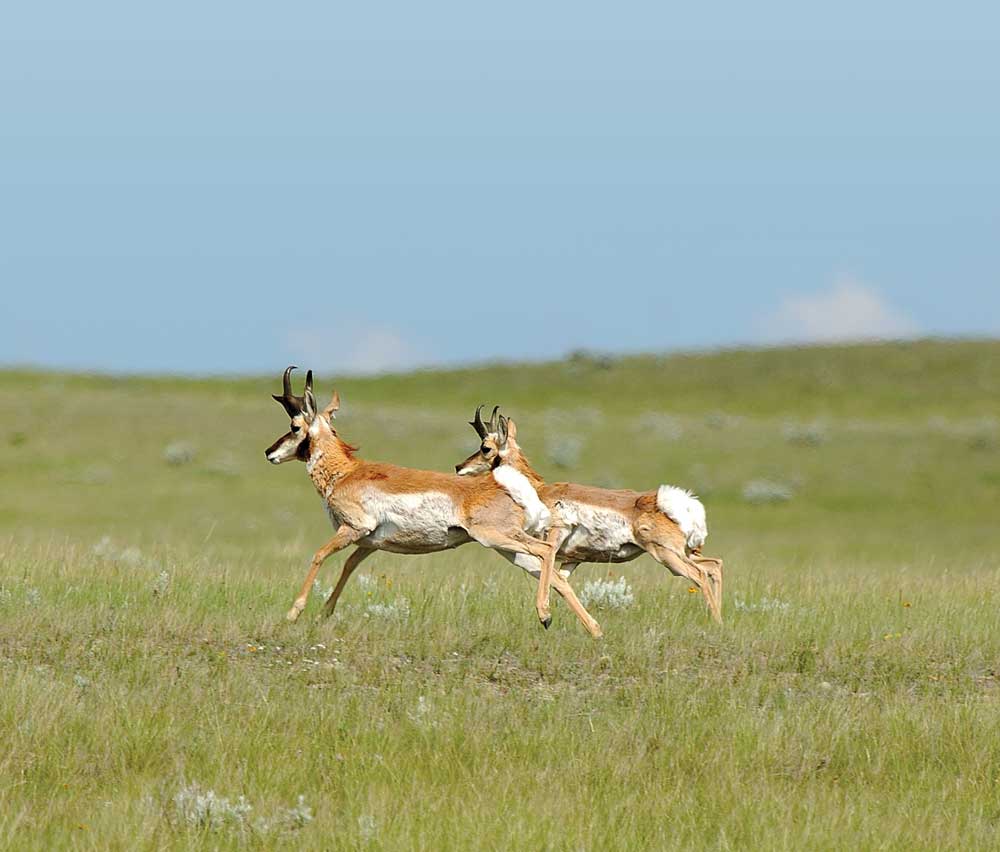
(713, 569)
(683, 566)
(345, 535)
(353, 561)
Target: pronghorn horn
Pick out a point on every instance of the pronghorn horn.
(478, 424)
(289, 401)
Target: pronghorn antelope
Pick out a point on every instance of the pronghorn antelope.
(590, 524)
(378, 506)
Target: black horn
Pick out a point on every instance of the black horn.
(478, 424)
(289, 401)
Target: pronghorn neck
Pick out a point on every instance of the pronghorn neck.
(330, 460)
(517, 460)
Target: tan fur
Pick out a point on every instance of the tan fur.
(652, 531)
(349, 486)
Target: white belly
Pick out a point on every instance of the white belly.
(413, 523)
(596, 531)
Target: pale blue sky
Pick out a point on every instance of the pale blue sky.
(223, 187)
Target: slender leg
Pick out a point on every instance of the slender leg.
(556, 536)
(531, 565)
(713, 569)
(520, 542)
(548, 556)
(562, 586)
(682, 566)
(545, 552)
(345, 535)
(353, 561)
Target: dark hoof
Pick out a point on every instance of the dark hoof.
(546, 622)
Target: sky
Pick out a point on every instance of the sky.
(230, 188)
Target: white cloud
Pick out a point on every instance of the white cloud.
(378, 350)
(358, 350)
(848, 311)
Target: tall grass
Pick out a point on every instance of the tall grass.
(154, 697)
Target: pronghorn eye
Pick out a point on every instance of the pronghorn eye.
(295, 428)
(485, 450)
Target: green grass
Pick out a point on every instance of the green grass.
(850, 700)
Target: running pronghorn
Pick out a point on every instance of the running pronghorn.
(590, 524)
(378, 506)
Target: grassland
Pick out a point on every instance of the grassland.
(851, 699)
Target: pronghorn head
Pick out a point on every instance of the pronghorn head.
(497, 438)
(307, 422)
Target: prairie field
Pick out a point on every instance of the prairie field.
(154, 697)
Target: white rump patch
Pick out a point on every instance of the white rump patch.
(515, 483)
(685, 510)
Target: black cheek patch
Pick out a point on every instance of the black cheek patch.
(302, 453)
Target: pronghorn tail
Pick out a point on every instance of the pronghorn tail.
(685, 510)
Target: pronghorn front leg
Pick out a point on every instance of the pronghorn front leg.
(561, 585)
(560, 582)
(345, 535)
(556, 536)
(353, 561)
(521, 542)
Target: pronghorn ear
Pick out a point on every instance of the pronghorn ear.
(511, 429)
(308, 397)
(502, 432)
(330, 412)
